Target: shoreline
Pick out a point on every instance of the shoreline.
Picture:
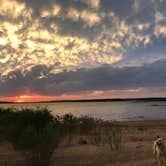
(147, 123)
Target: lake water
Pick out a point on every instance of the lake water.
(123, 110)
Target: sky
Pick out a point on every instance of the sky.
(82, 49)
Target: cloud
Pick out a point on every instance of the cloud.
(55, 11)
(11, 8)
(160, 25)
(94, 4)
(160, 30)
(40, 80)
(143, 26)
(90, 18)
(159, 17)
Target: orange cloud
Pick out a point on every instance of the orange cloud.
(82, 95)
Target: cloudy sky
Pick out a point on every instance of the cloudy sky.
(81, 49)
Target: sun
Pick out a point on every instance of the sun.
(22, 98)
(32, 98)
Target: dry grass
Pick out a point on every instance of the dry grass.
(136, 149)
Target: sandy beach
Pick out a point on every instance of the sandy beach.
(136, 149)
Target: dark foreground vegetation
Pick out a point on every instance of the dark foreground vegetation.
(37, 133)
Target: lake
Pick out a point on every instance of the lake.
(114, 110)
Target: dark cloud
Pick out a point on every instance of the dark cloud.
(39, 80)
(122, 9)
(78, 29)
(39, 5)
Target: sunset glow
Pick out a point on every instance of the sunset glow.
(28, 98)
(24, 99)
(130, 93)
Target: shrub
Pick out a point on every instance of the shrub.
(86, 124)
(35, 133)
(107, 133)
(114, 135)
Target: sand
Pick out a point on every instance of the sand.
(136, 150)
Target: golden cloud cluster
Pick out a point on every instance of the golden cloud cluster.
(11, 8)
(25, 44)
(92, 3)
(160, 30)
(25, 41)
(143, 26)
(53, 12)
(90, 18)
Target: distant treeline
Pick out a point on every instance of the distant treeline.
(5, 102)
(112, 100)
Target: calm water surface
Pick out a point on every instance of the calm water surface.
(125, 110)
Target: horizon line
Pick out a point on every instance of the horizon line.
(89, 100)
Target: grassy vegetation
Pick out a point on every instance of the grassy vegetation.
(37, 134)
